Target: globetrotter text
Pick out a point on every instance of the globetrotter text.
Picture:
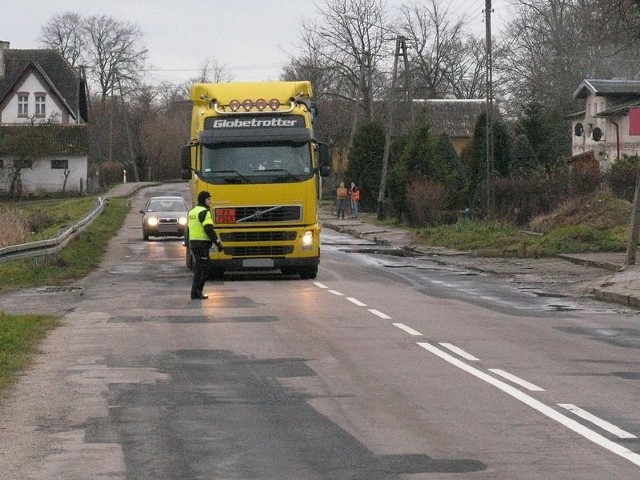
(254, 122)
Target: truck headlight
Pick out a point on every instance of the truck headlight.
(307, 240)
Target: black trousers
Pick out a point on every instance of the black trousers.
(201, 269)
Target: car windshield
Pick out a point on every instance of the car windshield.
(257, 163)
(163, 205)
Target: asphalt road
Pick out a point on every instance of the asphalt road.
(381, 368)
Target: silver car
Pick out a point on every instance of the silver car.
(164, 217)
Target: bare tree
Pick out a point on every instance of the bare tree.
(212, 71)
(115, 54)
(552, 46)
(439, 53)
(65, 33)
(350, 36)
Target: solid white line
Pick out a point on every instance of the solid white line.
(378, 313)
(356, 302)
(537, 405)
(460, 352)
(609, 427)
(336, 293)
(517, 380)
(409, 330)
(318, 284)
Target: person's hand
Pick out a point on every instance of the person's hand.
(220, 247)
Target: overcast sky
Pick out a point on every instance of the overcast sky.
(251, 38)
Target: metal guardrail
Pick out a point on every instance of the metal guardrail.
(52, 246)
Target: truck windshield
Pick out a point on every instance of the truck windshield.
(257, 162)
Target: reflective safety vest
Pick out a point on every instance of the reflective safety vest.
(196, 229)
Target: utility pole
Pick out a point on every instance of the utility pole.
(490, 154)
(634, 228)
(401, 49)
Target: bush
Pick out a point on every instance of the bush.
(38, 220)
(426, 201)
(622, 177)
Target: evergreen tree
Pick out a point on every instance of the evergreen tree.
(418, 155)
(449, 170)
(524, 161)
(365, 162)
(546, 134)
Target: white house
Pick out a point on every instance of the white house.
(40, 87)
(609, 126)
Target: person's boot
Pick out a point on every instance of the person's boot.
(198, 295)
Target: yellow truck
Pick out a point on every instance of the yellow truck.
(253, 147)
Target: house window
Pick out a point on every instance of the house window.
(60, 164)
(23, 104)
(40, 104)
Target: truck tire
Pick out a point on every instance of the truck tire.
(309, 273)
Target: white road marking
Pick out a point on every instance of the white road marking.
(409, 330)
(378, 313)
(460, 352)
(318, 284)
(609, 427)
(517, 380)
(537, 405)
(356, 302)
(336, 293)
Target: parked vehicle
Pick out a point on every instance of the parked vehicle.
(164, 216)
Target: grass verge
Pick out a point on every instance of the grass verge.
(76, 260)
(20, 335)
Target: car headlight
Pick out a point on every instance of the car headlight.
(307, 240)
(182, 220)
(152, 221)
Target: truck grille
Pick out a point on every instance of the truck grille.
(266, 236)
(275, 213)
(259, 251)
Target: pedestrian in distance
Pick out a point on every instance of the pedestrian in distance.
(354, 195)
(202, 237)
(341, 200)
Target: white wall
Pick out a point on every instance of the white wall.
(42, 178)
(32, 84)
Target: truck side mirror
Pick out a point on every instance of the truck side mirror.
(185, 158)
(324, 159)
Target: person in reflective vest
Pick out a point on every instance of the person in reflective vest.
(201, 237)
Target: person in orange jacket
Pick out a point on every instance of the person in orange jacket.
(354, 195)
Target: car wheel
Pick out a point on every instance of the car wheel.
(145, 235)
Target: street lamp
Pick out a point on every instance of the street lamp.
(400, 50)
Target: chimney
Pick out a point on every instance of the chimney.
(3, 46)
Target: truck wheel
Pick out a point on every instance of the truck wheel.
(309, 273)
